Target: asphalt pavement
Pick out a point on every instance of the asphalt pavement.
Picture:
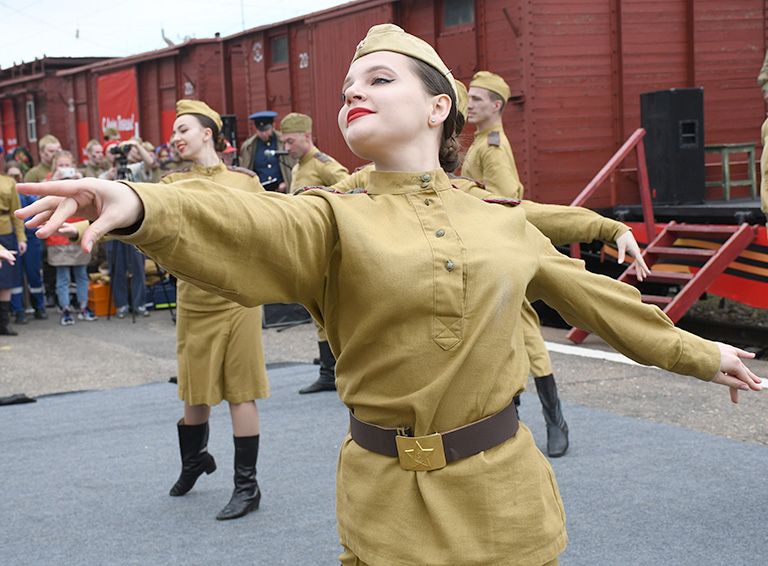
(85, 475)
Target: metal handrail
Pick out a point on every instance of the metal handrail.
(642, 176)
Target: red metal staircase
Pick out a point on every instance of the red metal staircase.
(692, 285)
(671, 244)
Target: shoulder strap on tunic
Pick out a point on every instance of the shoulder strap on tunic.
(503, 200)
(241, 170)
(323, 158)
(494, 138)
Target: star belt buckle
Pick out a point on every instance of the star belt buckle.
(421, 453)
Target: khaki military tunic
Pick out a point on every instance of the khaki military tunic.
(91, 170)
(764, 168)
(9, 203)
(489, 160)
(316, 169)
(419, 287)
(37, 174)
(219, 347)
(762, 77)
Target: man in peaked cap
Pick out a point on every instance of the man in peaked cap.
(313, 168)
(274, 171)
(489, 158)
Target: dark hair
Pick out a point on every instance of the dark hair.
(497, 98)
(219, 141)
(435, 84)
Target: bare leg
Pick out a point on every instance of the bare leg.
(196, 414)
(245, 419)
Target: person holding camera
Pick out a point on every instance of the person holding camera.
(126, 263)
(68, 259)
(137, 162)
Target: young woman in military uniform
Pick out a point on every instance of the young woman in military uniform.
(12, 238)
(419, 287)
(219, 342)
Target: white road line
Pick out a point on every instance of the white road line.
(586, 353)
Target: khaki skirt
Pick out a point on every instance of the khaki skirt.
(220, 356)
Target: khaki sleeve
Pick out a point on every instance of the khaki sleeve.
(334, 173)
(251, 248)
(500, 173)
(18, 223)
(614, 311)
(572, 224)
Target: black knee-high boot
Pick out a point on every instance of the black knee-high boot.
(195, 459)
(5, 320)
(327, 379)
(247, 495)
(557, 429)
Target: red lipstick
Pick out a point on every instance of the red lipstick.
(357, 113)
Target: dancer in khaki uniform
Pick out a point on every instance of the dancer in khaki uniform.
(313, 169)
(419, 287)
(490, 161)
(219, 342)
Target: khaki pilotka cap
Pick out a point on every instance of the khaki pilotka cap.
(389, 37)
(296, 123)
(198, 107)
(491, 81)
(462, 99)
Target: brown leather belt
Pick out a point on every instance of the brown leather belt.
(434, 451)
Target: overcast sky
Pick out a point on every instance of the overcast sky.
(80, 28)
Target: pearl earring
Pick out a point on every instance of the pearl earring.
(432, 120)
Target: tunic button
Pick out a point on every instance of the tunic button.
(440, 233)
(269, 166)
(426, 177)
(427, 202)
(449, 265)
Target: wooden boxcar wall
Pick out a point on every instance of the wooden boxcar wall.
(576, 70)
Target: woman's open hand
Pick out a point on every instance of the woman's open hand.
(734, 373)
(107, 204)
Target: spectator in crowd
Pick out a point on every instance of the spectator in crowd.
(68, 258)
(111, 134)
(274, 171)
(163, 154)
(176, 162)
(30, 264)
(227, 155)
(22, 156)
(12, 239)
(49, 146)
(95, 163)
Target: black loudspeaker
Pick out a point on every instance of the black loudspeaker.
(674, 144)
(284, 314)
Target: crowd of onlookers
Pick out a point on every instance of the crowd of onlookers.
(37, 275)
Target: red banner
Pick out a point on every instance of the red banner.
(8, 127)
(118, 103)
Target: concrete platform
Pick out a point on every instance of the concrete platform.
(85, 479)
